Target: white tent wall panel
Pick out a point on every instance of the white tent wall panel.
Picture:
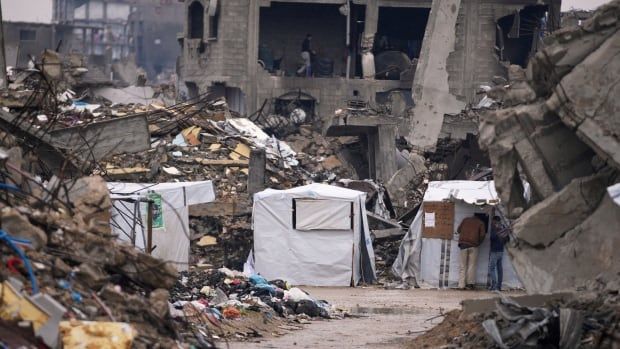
(301, 257)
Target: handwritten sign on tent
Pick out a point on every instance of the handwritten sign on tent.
(438, 220)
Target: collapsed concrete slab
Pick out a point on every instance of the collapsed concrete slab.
(430, 85)
(562, 143)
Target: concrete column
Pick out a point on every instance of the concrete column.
(385, 152)
(252, 84)
(431, 90)
(370, 29)
(256, 176)
(372, 18)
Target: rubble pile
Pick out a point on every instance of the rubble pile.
(554, 148)
(61, 261)
(588, 319)
(221, 241)
(228, 303)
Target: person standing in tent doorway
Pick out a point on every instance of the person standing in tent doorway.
(499, 237)
(471, 234)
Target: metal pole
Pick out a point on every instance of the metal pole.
(149, 219)
(3, 82)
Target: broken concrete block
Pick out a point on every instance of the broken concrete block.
(331, 163)
(19, 226)
(149, 270)
(91, 275)
(91, 199)
(582, 100)
(60, 268)
(566, 209)
(158, 299)
(582, 254)
(15, 158)
(414, 168)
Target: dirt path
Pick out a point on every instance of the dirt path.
(389, 318)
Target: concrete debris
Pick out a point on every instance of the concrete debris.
(579, 320)
(69, 270)
(19, 226)
(554, 150)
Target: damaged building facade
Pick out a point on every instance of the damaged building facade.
(377, 51)
(119, 32)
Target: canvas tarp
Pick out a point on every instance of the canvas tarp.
(327, 252)
(170, 220)
(435, 262)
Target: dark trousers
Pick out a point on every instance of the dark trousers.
(496, 272)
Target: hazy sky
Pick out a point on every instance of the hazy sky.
(34, 11)
(582, 4)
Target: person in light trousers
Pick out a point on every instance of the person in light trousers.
(471, 234)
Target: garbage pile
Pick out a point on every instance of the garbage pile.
(554, 148)
(227, 303)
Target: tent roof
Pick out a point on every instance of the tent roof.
(312, 190)
(472, 192)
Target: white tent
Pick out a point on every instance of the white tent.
(313, 235)
(435, 262)
(170, 237)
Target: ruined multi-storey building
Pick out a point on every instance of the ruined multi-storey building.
(109, 31)
(250, 51)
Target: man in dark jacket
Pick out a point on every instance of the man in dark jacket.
(471, 234)
(499, 237)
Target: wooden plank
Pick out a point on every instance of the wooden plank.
(438, 220)
(387, 233)
(126, 173)
(222, 207)
(225, 162)
(394, 224)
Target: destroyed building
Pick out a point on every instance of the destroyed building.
(109, 32)
(369, 50)
(26, 33)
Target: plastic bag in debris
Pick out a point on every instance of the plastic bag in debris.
(248, 266)
(231, 273)
(261, 285)
(258, 280)
(296, 294)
